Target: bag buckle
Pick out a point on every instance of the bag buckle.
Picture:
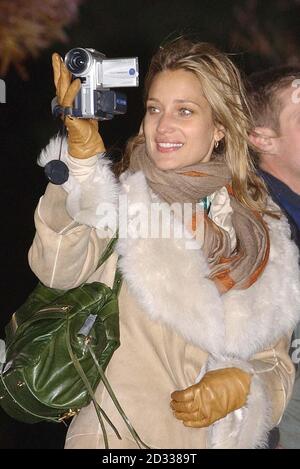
(67, 415)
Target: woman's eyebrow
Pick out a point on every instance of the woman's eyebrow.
(187, 101)
(153, 99)
(181, 101)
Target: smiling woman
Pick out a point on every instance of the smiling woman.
(204, 324)
(178, 125)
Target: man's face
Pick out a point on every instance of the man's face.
(287, 144)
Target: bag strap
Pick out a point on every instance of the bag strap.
(100, 412)
(108, 250)
(86, 382)
(117, 281)
(112, 395)
(104, 256)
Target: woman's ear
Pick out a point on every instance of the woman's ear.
(219, 133)
(264, 139)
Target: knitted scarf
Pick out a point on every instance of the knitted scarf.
(238, 269)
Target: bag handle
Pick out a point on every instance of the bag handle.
(86, 382)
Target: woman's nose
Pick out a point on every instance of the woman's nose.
(165, 123)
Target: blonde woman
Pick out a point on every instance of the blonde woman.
(205, 316)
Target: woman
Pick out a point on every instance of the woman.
(205, 316)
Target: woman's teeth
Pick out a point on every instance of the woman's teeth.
(170, 145)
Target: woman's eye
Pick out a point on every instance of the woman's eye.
(185, 112)
(152, 109)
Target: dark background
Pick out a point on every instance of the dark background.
(118, 29)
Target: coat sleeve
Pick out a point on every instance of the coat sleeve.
(74, 222)
(64, 253)
(273, 375)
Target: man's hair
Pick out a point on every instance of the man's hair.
(264, 89)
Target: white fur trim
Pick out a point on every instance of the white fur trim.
(245, 428)
(169, 280)
(249, 426)
(257, 317)
(171, 284)
(51, 151)
(91, 202)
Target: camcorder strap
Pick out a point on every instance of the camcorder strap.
(56, 171)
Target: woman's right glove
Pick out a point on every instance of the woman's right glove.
(84, 139)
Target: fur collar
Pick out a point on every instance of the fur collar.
(170, 283)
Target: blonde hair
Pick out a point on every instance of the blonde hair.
(223, 88)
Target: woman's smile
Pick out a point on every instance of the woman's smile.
(168, 147)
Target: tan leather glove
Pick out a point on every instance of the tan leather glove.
(83, 136)
(216, 395)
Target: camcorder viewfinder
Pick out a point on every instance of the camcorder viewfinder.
(97, 74)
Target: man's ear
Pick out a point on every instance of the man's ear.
(264, 139)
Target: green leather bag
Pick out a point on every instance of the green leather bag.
(50, 372)
(58, 344)
(40, 381)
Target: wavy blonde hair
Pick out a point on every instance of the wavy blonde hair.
(223, 88)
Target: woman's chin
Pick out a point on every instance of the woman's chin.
(165, 164)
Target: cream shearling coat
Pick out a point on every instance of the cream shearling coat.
(174, 325)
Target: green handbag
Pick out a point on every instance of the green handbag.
(58, 344)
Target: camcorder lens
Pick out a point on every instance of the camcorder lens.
(77, 61)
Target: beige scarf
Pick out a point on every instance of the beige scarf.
(239, 269)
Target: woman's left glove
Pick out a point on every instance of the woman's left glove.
(217, 394)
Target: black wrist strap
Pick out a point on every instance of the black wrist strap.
(56, 171)
(58, 110)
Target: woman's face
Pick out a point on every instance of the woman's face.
(178, 125)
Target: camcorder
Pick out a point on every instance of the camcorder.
(98, 74)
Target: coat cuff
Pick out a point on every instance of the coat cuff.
(247, 427)
(92, 188)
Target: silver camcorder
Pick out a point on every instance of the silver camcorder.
(98, 74)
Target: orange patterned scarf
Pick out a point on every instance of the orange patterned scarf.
(239, 269)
